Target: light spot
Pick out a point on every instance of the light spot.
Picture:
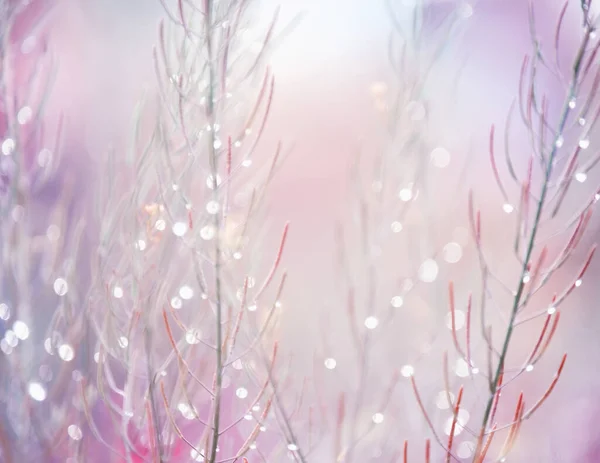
(371, 323)
(180, 229)
(378, 418)
(407, 371)
(397, 302)
(37, 391)
(428, 271)
(60, 286)
(75, 432)
(186, 292)
(66, 352)
(459, 319)
(440, 157)
(508, 208)
(452, 252)
(21, 330)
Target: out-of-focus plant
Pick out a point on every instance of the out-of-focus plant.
(39, 317)
(395, 320)
(184, 297)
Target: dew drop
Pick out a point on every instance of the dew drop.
(407, 371)
(176, 302)
(60, 286)
(8, 146)
(207, 233)
(74, 432)
(21, 330)
(371, 323)
(37, 391)
(24, 115)
(428, 271)
(396, 227)
(330, 363)
(452, 252)
(397, 302)
(180, 228)
(377, 418)
(440, 157)
(66, 352)
(186, 292)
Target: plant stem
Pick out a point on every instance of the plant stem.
(534, 231)
(217, 224)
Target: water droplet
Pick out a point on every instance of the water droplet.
(60, 286)
(462, 419)
(440, 157)
(193, 336)
(461, 368)
(241, 392)
(160, 225)
(572, 103)
(180, 228)
(581, 177)
(44, 157)
(74, 432)
(459, 319)
(452, 252)
(176, 302)
(397, 301)
(11, 338)
(529, 368)
(123, 342)
(37, 391)
(4, 312)
(406, 194)
(330, 363)
(377, 418)
(8, 146)
(582, 121)
(247, 162)
(441, 400)
(21, 330)
(292, 447)
(207, 232)
(407, 371)
(396, 227)
(186, 292)
(66, 352)
(551, 310)
(118, 292)
(24, 115)
(584, 143)
(508, 208)
(578, 283)
(428, 271)
(212, 207)
(559, 141)
(371, 323)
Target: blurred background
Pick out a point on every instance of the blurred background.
(326, 69)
